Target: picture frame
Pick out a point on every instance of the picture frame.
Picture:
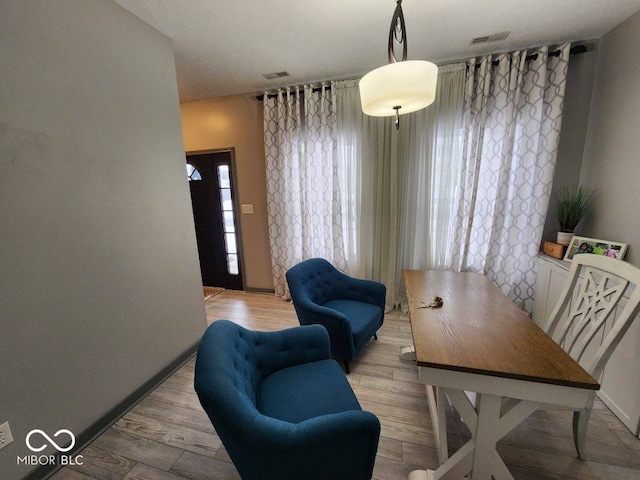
(594, 246)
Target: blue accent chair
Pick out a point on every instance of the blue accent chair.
(352, 310)
(281, 406)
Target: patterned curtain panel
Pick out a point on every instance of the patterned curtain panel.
(303, 193)
(512, 117)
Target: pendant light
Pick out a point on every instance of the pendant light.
(400, 87)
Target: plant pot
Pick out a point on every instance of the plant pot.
(564, 238)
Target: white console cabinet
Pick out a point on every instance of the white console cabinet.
(620, 383)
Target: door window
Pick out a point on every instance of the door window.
(193, 173)
(228, 219)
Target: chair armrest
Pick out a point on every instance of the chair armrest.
(366, 291)
(266, 433)
(310, 313)
(341, 445)
(336, 324)
(344, 424)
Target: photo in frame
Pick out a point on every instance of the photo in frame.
(582, 245)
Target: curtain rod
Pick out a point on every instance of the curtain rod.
(274, 95)
(555, 53)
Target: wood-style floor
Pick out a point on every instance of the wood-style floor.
(167, 436)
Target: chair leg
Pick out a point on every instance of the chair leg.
(580, 424)
(375, 336)
(346, 367)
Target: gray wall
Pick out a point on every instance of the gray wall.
(575, 120)
(612, 151)
(99, 279)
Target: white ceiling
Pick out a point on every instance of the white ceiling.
(222, 47)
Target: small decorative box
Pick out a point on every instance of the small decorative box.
(555, 250)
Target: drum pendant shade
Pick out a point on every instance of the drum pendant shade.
(401, 86)
(410, 85)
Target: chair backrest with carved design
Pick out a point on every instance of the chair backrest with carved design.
(594, 326)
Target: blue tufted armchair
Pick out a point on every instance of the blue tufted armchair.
(281, 406)
(352, 310)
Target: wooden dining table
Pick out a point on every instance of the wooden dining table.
(491, 361)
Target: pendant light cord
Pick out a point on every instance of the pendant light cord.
(397, 34)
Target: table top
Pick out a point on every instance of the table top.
(479, 330)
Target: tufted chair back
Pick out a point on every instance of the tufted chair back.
(320, 281)
(236, 360)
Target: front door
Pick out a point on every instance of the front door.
(215, 217)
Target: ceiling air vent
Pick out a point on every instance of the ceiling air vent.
(271, 76)
(496, 37)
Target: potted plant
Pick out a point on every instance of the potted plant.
(571, 205)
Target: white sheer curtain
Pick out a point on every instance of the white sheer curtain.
(399, 186)
(512, 117)
(303, 191)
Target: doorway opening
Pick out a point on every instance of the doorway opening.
(215, 213)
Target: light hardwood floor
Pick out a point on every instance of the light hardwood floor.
(167, 436)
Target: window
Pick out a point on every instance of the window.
(193, 173)
(228, 220)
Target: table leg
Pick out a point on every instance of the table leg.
(421, 475)
(408, 354)
(489, 419)
(437, 409)
(580, 423)
(486, 436)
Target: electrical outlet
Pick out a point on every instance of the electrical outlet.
(5, 435)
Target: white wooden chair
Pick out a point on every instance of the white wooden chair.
(587, 322)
